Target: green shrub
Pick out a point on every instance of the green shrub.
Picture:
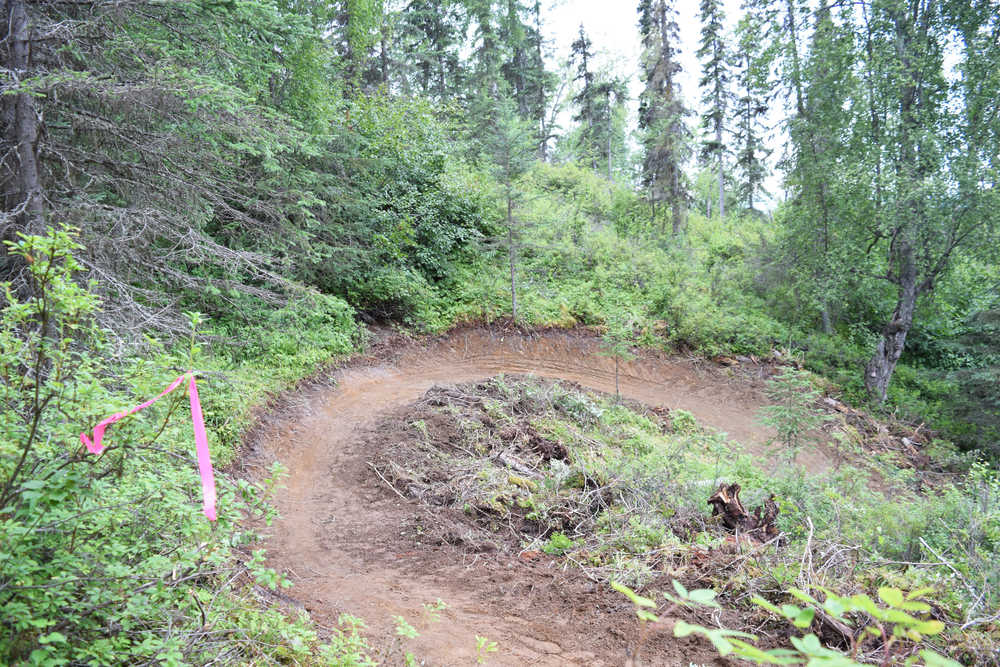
(557, 544)
(106, 559)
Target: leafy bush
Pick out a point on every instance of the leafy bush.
(402, 216)
(105, 559)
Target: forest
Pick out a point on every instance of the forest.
(254, 192)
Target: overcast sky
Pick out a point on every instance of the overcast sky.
(613, 27)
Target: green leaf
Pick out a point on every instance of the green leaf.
(891, 596)
(790, 611)
(932, 659)
(679, 587)
(704, 596)
(865, 603)
(929, 627)
(721, 644)
(803, 596)
(636, 599)
(920, 591)
(646, 616)
(776, 656)
(810, 646)
(683, 629)
(898, 616)
(404, 629)
(834, 607)
(761, 602)
(804, 618)
(52, 638)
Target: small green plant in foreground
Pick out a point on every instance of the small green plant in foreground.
(347, 647)
(896, 624)
(483, 648)
(434, 609)
(558, 544)
(721, 638)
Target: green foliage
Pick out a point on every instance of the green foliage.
(40, 357)
(617, 342)
(298, 337)
(794, 413)
(105, 559)
(558, 544)
(405, 215)
(723, 639)
(890, 626)
(483, 648)
(347, 646)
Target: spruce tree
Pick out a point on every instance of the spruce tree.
(753, 63)
(717, 95)
(357, 34)
(610, 94)
(662, 111)
(586, 98)
(524, 62)
(432, 34)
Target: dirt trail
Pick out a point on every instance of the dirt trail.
(339, 538)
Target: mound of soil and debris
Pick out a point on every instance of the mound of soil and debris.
(476, 448)
(531, 467)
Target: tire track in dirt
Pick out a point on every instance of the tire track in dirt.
(338, 538)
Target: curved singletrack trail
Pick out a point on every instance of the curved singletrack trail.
(341, 541)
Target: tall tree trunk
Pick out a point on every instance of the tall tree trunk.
(540, 57)
(384, 59)
(618, 391)
(442, 86)
(722, 186)
(21, 183)
(824, 313)
(880, 367)
(676, 205)
(511, 254)
(902, 253)
(610, 130)
(19, 174)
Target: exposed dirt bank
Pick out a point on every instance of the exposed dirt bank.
(341, 536)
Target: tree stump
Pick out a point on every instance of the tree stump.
(761, 525)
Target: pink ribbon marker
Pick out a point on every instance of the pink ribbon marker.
(96, 445)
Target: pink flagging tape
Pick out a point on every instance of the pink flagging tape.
(96, 445)
(204, 459)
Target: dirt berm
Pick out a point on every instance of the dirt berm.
(346, 540)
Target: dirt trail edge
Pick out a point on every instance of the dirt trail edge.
(349, 544)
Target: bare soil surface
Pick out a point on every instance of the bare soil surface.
(347, 541)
